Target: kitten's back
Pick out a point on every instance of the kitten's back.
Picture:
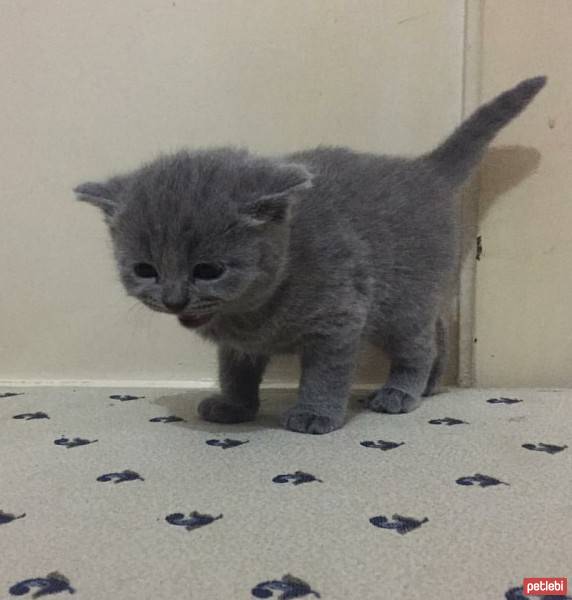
(399, 215)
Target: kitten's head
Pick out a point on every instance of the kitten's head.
(201, 233)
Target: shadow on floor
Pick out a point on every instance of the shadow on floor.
(273, 403)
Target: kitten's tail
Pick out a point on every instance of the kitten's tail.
(462, 150)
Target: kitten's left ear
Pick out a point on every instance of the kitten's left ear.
(279, 195)
(103, 195)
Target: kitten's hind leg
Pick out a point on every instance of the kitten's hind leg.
(240, 376)
(440, 361)
(413, 356)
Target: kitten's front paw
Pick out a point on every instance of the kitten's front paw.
(304, 421)
(392, 400)
(220, 410)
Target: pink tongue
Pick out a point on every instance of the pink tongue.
(194, 321)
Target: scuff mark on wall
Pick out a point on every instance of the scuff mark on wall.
(479, 247)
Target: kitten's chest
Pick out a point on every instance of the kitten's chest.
(253, 334)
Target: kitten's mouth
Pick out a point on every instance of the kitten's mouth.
(194, 321)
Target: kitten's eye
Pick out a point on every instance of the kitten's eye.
(145, 270)
(208, 271)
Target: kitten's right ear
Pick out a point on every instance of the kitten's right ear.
(103, 195)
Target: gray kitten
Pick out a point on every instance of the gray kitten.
(307, 253)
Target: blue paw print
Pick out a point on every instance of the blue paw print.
(193, 521)
(54, 583)
(226, 443)
(170, 419)
(8, 518)
(288, 587)
(126, 475)
(548, 448)
(480, 480)
(296, 478)
(125, 397)
(73, 443)
(399, 524)
(447, 421)
(30, 416)
(504, 400)
(381, 445)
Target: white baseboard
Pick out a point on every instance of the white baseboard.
(202, 384)
(110, 383)
(188, 384)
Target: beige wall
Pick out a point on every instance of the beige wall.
(524, 282)
(94, 86)
(90, 87)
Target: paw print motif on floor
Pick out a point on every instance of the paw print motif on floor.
(288, 587)
(54, 583)
(169, 419)
(153, 456)
(193, 521)
(226, 443)
(480, 480)
(399, 524)
(63, 441)
(31, 416)
(548, 448)
(120, 477)
(447, 421)
(8, 518)
(504, 400)
(381, 445)
(296, 478)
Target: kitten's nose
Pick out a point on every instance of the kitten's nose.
(175, 305)
(175, 300)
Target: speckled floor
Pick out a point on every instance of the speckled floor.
(116, 493)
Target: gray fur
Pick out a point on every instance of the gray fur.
(320, 250)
